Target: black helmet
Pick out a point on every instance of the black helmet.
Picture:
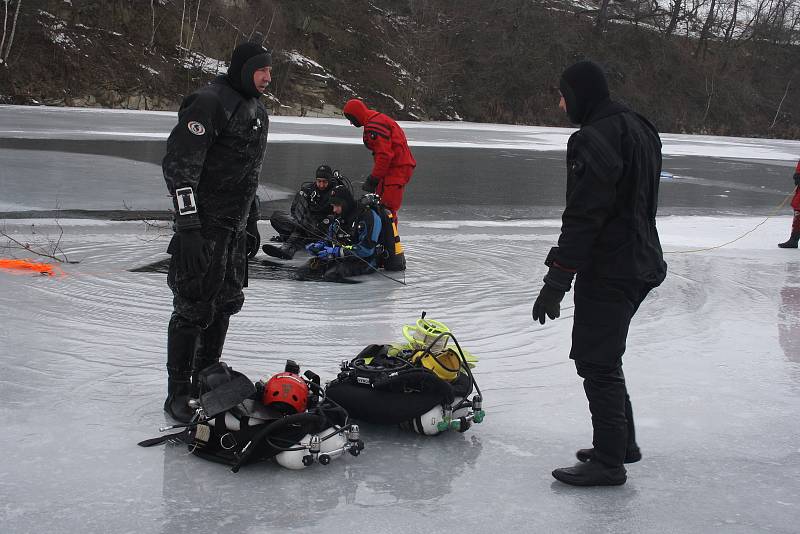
(324, 172)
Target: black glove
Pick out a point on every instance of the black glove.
(370, 184)
(548, 302)
(194, 252)
(797, 179)
(253, 239)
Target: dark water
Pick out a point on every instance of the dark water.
(449, 183)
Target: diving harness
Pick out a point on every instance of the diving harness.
(287, 417)
(423, 386)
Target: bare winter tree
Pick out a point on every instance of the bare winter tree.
(710, 93)
(5, 52)
(674, 17)
(732, 22)
(194, 28)
(153, 26)
(777, 112)
(5, 25)
(602, 15)
(705, 32)
(180, 36)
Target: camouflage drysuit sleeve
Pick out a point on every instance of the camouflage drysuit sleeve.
(200, 119)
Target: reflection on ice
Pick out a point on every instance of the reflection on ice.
(84, 374)
(789, 314)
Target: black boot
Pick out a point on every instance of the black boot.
(284, 252)
(791, 242)
(182, 340)
(209, 349)
(177, 403)
(632, 454)
(591, 474)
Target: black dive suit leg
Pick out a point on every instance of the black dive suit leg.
(182, 339)
(209, 348)
(603, 312)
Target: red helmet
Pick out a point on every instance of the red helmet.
(287, 393)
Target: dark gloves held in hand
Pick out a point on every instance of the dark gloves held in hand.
(195, 254)
(548, 302)
(253, 239)
(370, 184)
(797, 179)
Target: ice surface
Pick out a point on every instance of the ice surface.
(713, 368)
(27, 123)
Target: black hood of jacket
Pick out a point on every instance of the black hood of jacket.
(245, 60)
(584, 87)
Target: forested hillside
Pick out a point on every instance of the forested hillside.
(727, 67)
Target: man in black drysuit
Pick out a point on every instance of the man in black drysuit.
(310, 215)
(213, 161)
(609, 239)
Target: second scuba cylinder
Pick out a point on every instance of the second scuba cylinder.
(294, 459)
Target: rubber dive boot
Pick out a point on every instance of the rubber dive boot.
(591, 474)
(632, 454)
(209, 350)
(177, 403)
(284, 252)
(791, 242)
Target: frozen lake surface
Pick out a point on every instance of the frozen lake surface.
(713, 364)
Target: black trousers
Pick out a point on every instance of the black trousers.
(204, 302)
(603, 312)
(303, 225)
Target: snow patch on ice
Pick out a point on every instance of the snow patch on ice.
(454, 225)
(44, 222)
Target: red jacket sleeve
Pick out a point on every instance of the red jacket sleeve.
(378, 138)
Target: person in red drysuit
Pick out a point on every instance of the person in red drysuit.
(393, 162)
(795, 237)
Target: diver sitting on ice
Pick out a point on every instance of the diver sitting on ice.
(309, 217)
(352, 246)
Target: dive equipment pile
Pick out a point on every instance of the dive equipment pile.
(423, 385)
(288, 418)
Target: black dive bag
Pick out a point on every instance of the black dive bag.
(378, 388)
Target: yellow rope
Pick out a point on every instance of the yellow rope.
(768, 217)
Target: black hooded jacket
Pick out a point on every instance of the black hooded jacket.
(217, 149)
(609, 223)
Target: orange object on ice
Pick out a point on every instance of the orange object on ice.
(29, 265)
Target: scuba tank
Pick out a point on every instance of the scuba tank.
(444, 417)
(323, 447)
(423, 386)
(392, 254)
(286, 417)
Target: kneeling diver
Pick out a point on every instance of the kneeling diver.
(351, 247)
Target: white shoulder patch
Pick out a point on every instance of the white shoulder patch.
(196, 128)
